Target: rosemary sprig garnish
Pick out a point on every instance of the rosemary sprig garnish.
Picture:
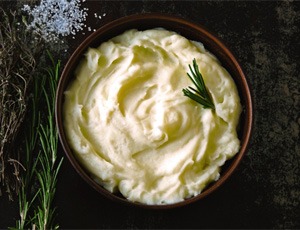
(200, 94)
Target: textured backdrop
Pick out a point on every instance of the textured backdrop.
(265, 190)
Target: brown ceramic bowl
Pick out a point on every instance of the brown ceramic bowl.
(189, 30)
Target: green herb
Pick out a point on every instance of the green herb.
(47, 159)
(200, 94)
(28, 194)
(42, 167)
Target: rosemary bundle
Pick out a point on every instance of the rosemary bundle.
(17, 66)
(48, 167)
(41, 140)
(28, 194)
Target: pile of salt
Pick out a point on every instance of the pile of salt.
(54, 18)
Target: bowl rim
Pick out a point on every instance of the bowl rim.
(167, 18)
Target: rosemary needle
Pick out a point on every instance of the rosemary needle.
(200, 94)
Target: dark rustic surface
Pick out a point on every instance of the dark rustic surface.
(265, 190)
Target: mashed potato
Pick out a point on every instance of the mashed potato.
(130, 125)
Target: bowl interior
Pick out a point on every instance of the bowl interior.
(189, 30)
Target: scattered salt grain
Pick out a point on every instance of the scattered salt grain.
(55, 18)
(99, 16)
